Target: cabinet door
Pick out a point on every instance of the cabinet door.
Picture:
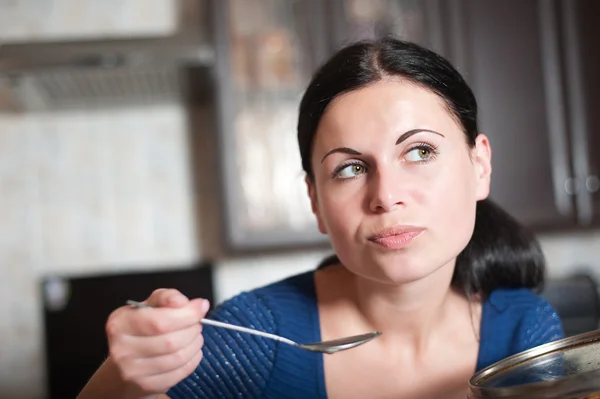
(267, 51)
(510, 51)
(582, 63)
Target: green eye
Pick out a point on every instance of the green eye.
(350, 171)
(420, 154)
(357, 169)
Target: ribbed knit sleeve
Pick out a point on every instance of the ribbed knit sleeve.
(515, 320)
(540, 325)
(240, 365)
(297, 374)
(234, 364)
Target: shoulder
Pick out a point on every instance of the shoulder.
(268, 308)
(300, 284)
(241, 364)
(518, 302)
(523, 305)
(515, 320)
(535, 320)
(233, 363)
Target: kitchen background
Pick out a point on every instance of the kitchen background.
(146, 176)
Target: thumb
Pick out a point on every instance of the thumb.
(200, 307)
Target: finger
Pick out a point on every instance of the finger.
(155, 321)
(158, 345)
(163, 382)
(164, 297)
(145, 367)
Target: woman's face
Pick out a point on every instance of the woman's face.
(395, 183)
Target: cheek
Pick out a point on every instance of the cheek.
(452, 202)
(341, 210)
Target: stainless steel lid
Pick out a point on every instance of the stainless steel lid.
(568, 368)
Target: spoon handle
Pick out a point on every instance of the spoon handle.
(228, 326)
(249, 331)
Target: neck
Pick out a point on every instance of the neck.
(410, 312)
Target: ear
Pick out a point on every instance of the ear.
(314, 203)
(482, 161)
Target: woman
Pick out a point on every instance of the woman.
(398, 177)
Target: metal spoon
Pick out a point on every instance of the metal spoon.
(333, 346)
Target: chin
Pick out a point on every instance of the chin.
(401, 267)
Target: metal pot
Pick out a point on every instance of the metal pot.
(564, 369)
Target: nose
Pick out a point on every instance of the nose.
(386, 191)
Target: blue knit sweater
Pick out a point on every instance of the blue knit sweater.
(238, 365)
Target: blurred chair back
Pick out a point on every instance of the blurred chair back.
(76, 310)
(577, 302)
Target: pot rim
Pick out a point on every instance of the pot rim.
(572, 385)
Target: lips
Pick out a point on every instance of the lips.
(396, 237)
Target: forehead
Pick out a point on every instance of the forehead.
(390, 104)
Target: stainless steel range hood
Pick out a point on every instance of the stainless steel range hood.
(105, 73)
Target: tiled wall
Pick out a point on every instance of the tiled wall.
(82, 193)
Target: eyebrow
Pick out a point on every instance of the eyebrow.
(343, 150)
(412, 132)
(403, 137)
